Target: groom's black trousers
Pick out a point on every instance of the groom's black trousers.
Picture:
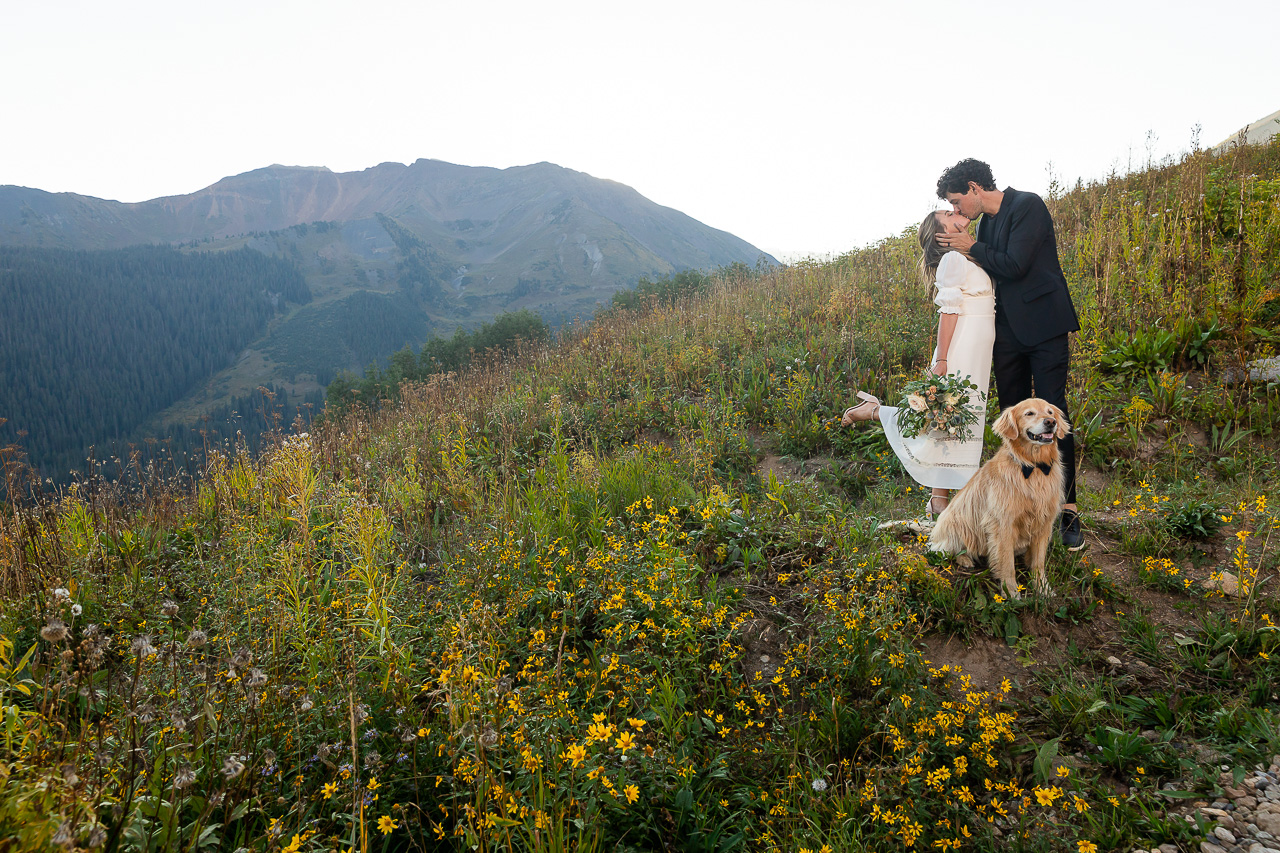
(1039, 370)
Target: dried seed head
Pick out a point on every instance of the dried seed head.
(372, 759)
(306, 704)
(242, 658)
(55, 631)
(61, 594)
(488, 737)
(232, 767)
(142, 645)
(63, 837)
(185, 776)
(169, 609)
(197, 639)
(256, 678)
(97, 836)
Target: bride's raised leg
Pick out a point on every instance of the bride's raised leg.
(867, 410)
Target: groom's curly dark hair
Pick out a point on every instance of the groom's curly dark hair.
(957, 178)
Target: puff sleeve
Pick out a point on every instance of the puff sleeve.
(951, 271)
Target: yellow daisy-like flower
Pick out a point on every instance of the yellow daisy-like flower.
(635, 723)
(1046, 796)
(625, 741)
(1086, 847)
(386, 824)
(632, 793)
(329, 789)
(576, 753)
(374, 784)
(1063, 772)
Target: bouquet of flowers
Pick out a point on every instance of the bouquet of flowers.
(942, 404)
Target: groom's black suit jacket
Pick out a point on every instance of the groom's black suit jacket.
(1018, 250)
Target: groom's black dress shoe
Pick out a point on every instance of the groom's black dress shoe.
(1069, 528)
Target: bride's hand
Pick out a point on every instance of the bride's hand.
(939, 367)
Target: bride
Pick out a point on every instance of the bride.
(966, 331)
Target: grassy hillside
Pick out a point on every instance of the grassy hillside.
(627, 592)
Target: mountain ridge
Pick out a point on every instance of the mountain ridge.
(277, 196)
(392, 255)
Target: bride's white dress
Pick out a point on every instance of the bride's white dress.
(931, 460)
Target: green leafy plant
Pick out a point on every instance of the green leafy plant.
(1193, 519)
(1142, 351)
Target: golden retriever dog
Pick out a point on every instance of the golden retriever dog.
(1009, 506)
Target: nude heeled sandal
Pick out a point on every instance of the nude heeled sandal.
(867, 410)
(931, 514)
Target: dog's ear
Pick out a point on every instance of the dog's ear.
(1006, 426)
(1063, 429)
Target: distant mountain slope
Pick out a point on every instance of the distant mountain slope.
(95, 342)
(1255, 133)
(437, 244)
(545, 207)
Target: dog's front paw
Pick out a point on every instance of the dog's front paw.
(964, 561)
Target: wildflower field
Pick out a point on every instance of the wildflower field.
(627, 592)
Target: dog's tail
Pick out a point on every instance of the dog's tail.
(946, 535)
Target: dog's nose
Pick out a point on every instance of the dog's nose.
(1050, 423)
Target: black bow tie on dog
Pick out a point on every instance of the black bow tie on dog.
(1043, 466)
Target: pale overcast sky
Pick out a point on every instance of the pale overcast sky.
(802, 127)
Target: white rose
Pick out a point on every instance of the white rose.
(917, 403)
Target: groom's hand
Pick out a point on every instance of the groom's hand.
(958, 241)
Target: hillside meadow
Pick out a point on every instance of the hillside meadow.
(627, 591)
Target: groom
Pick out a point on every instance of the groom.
(1034, 314)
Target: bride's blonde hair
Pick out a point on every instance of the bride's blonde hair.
(931, 251)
